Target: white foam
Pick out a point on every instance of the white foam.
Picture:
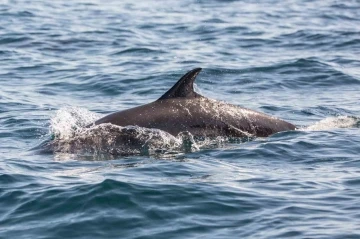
(333, 123)
(69, 120)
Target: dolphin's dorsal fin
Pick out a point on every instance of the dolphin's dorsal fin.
(184, 88)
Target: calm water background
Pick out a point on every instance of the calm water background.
(297, 60)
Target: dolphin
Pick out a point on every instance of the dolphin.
(181, 109)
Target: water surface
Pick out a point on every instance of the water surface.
(67, 62)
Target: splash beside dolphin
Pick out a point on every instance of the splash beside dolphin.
(181, 109)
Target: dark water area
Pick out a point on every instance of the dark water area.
(65, 64)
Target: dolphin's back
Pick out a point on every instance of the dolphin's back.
(182, 109)
(199, 116)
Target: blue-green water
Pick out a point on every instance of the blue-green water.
(66, 62)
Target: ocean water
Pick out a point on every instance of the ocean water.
(66, 63)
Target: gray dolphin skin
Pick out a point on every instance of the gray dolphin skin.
(181, 109)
